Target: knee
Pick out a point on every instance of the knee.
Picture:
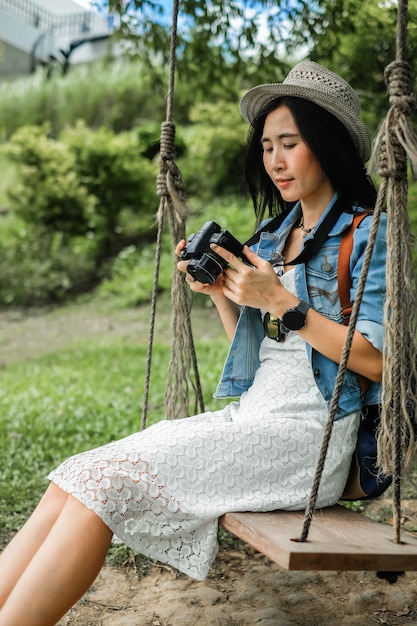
(54, 497)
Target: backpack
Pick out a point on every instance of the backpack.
(365, 480)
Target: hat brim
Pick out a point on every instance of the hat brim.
(254, 101)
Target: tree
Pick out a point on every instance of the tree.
(227, 45)
(357, 39)
(216, 39)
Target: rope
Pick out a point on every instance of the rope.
(395, 142)
(342, 368)
(172, 208)
(396, 440)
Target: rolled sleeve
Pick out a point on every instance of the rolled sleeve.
(373, 332)
(370, 321)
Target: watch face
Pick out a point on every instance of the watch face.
(293, 319)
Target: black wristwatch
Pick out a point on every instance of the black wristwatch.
(294, 319)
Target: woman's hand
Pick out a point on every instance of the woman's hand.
(255, 285)
(215, 290)
(227, 309)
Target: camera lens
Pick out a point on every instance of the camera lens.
(207, 269)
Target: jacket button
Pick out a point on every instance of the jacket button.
(316, 373)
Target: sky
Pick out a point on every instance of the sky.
(84, 3)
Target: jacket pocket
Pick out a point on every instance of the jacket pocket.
(321, 273)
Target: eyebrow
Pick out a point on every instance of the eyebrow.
(281, 136)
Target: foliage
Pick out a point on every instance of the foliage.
(211, 36)
(357, 39)
(46, 192)
(131, 276)
(81, 183)
(118, 95)
(120, 180)
(82, 197)
(88, 197)
(216, 141)
(224, 47)
(32, 274)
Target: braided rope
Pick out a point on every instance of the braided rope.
(395, 142)
(172, 208)
(342, 368)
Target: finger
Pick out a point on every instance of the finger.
(180, 246)
(253, 258)
(190, 279)
(225, 254)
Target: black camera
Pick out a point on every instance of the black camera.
(205, 265)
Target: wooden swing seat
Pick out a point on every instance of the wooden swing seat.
(339, 539)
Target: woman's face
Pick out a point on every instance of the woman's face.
(290, 164)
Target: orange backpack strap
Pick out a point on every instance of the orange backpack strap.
(344, 281)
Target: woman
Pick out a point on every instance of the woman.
(161, 491)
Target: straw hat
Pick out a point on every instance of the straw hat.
(312, 81)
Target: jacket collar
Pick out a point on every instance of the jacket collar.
(344, 221)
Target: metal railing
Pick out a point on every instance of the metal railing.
(73, 25)
(29, 12)
(57, 33)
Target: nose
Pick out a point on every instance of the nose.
(277, 161)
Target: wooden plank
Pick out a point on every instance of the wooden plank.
(339, 539)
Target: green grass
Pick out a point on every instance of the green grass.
(75, 399)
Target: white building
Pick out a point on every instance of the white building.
(49, 32)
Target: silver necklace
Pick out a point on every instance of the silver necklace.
(306, 231)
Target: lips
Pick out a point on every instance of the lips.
(283, 182)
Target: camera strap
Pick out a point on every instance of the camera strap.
(313, 243)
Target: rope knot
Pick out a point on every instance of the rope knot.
(397, 77)
(167, 149)
(396, 139)
(166, 157)
(161, 184)
(398, 80)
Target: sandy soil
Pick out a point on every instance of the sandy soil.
(244, 588)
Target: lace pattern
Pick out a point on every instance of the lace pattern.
(162, 490)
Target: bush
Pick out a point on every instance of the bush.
(39, 270)
(216, 143)
(46, 191)
(82, 198)
(120, 180)
(119, 96)
(80, 183)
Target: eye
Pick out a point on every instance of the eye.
(289, 146)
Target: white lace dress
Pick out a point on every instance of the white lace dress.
(162, 490)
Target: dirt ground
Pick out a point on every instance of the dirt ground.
(244, 588)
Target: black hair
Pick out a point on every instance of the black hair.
(330, 142)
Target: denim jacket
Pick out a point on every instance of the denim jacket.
(316, 283)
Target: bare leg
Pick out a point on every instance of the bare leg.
(20, 551)
(62, 569)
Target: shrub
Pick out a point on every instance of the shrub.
(81, 183)
(46, 191)
(120, 180)
(83, 197)
(39, 270)
(119, 95)
(216, 144)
